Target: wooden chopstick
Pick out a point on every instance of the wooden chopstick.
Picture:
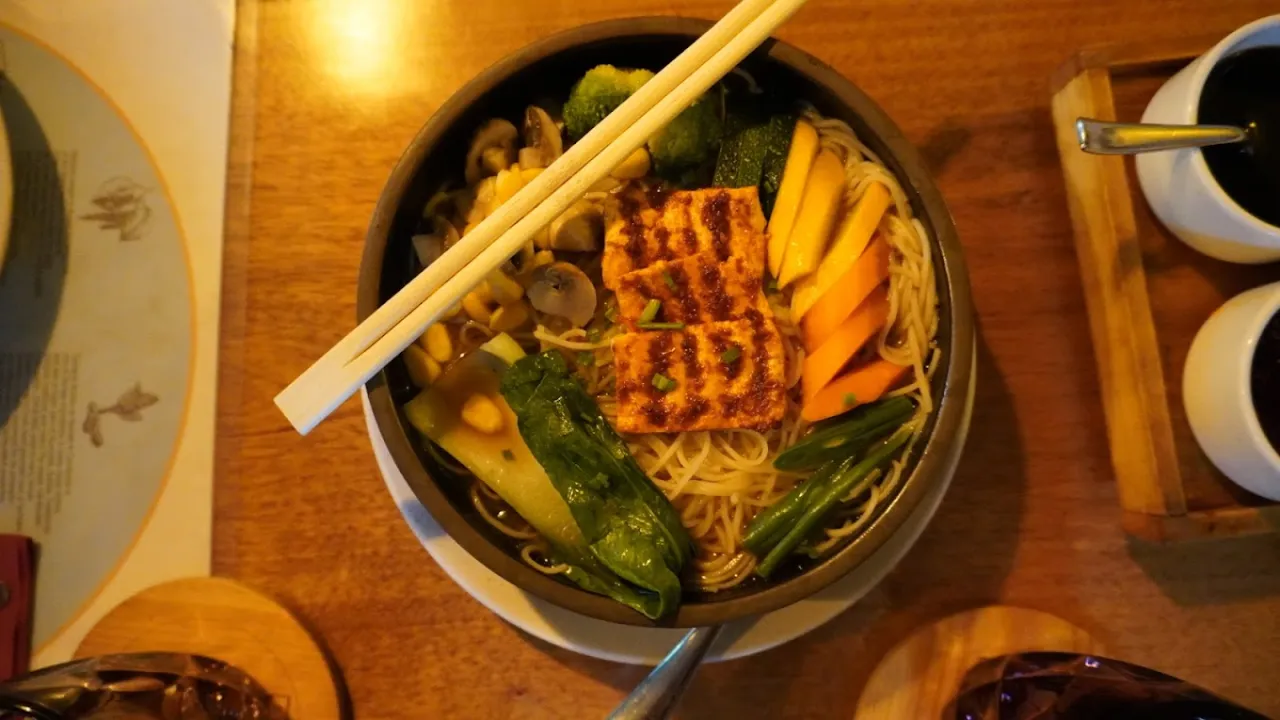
(402, 319)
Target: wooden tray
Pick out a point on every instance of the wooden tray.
(1147, 294)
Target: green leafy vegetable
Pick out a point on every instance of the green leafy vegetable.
(630, 527)
(505, 463)
(846, 435)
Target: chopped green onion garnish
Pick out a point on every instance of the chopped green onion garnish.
(772, 285)
(593, 335)
(660, 325)
(611, 312)
(650, 312)
(731, 354)
(850, 400)
(663, 383)
(586, 357)
(670, 281)
(508, 456)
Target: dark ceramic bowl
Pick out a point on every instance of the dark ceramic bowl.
(546, 69)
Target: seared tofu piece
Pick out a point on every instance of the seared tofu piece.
(697, 289)
(647, 227)
(711, 387)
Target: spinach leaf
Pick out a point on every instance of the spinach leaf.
(629, 525)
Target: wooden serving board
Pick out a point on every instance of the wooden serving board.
(224, 620)
(1147, 294)
(921, 675)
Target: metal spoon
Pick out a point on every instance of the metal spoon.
(1112, 138)
(657, 695)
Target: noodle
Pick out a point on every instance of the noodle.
(719, 480)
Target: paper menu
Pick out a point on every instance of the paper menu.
(117, 115)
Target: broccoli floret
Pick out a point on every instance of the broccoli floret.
(602, 89)
(690, 140)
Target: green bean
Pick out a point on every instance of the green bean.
(839, 487)
(768, 527)
(847, 435)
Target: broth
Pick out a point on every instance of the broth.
(1242, 90)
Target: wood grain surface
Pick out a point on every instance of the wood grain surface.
(921, 676)
(1147, 294)
(225, 620)
(327, 95)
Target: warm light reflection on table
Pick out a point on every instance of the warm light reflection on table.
(362, 45)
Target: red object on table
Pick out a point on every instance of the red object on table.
(16, 578)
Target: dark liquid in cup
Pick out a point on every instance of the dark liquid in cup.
(1244, 90)
(1266, 381)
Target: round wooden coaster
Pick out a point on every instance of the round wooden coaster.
(223, 619)
(919, 677)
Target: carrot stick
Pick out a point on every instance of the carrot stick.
(844, 342)
(861, 385)
(833, 308)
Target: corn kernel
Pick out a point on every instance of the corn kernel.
(482, 413)
(476, 308)
(439, 344)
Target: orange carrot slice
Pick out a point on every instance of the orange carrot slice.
(839, 348)
(858, 386)
(871, 269)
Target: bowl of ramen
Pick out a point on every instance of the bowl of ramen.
(719, 381)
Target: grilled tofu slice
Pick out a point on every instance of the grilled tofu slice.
(646, 227)
(713, 387)
(697, 289)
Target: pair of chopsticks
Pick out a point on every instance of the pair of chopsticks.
(401, 320)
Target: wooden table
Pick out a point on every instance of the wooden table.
(327, 96)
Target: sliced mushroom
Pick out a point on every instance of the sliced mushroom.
(446, 231)
(495, 159)
(580, 228)
(428, 248)
(520, 263)
(542, 135)
(531, 157)
(497, 133)
(562, 289)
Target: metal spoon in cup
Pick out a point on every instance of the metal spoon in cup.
(1112, 138)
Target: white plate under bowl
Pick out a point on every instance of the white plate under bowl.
(6, 191)
(641, 645)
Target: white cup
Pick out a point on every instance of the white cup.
(1178, 184)
(1218, 395)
